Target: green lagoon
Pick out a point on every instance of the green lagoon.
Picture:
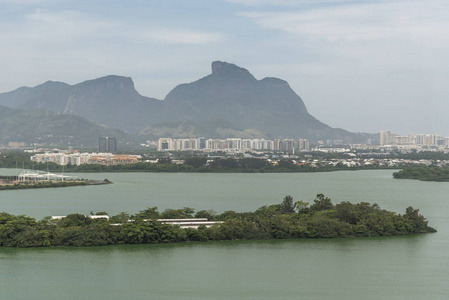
(405, 267)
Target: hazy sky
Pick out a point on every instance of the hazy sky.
(359, 65)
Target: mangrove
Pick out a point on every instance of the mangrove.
(286, 220)
(424, 173)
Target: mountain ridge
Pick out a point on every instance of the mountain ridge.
(268, 106)
(42, 127)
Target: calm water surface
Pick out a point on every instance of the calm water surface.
(410, 267)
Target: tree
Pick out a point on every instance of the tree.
(196, 162)
(164, 160)
(229, 214)
(414, 215)
(287, 206)
(122, 217)
(74, 220)
(100, 213)
(302, 207)
(188, 212)
(5, 217)
(285, 163)
(346, 212)
(253, 163)
(208, 214)
(149, 213)
(170, 213)
(268, 210)
(321, 203)
(228, 163)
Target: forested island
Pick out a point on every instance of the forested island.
(430, 173)
(286, 220)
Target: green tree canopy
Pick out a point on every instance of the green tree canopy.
(287, 206)
(321, 203)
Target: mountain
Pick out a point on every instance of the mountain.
(110, 100)
(233, 94)
(45, 127)
(265, 108)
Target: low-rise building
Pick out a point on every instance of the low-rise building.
(63, 159)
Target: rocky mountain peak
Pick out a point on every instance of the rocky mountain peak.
(227, 69)
(52, 85)
(110, 82)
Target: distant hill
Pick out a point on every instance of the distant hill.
(184, 129)
(110, 100)
(264, 108)
(44, 127)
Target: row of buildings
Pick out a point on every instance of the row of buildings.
(232, 144)
(430, 140)
(387, 140)
(76, 158)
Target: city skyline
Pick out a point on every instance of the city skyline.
(354, 63)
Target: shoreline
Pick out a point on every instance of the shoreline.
(50, 184)
(230, 171)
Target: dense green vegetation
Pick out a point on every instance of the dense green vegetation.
(288, 219)
(431, 173)
(15, 159)
(431, 155)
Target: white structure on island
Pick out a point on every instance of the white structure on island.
(182, 223)
(95, 217)
(189, 223)
(31, 175)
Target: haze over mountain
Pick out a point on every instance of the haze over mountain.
(110, 100)
(228, 101)
(41, 126)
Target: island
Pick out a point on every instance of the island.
(426, 173)
(286, 220)
(39, 179)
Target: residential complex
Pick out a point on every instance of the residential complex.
(232, 144)
(388, 141)
(62, 158)
(430, 140)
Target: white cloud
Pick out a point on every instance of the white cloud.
(383, 58)
(71, 46)
(21, 1)
(176, 36)
(73, 25)
(361, 21)
(371, 57)
(64, 25)
(290, 3)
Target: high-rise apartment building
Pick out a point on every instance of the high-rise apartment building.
(289, 145)
(107, 144)
(386, 138)
(304, 145)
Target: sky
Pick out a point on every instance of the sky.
(364, 66)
